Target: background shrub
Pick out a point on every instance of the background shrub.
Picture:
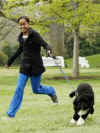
(3, 58)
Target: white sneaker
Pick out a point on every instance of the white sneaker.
(54, 99)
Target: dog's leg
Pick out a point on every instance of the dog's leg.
(80, 121)
(75, 118)
(91, 110)
(85, 115)
(82, 118)
(72, 121)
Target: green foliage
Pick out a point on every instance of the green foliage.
(7, 49)
(71, 13)
(88, 45)
(3, 58)
(75, 14)
(87, 48)
(6, 52)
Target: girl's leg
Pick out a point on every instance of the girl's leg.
(18, 95)
(41, 89)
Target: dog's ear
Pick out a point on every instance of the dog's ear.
(72, 94)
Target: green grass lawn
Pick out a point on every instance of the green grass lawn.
(38, 114)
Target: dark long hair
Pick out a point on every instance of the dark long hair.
(24, 17)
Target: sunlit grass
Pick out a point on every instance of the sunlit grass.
(38, 114)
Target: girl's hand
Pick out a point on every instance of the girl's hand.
(49, 53)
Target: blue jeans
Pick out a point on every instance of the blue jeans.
(19, 92)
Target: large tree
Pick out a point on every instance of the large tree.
(76, 15)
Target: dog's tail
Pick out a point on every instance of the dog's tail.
(72, 94)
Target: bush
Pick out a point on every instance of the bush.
(7, 49)
(86, 47)
(3, 58)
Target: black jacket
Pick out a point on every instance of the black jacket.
(31, 63)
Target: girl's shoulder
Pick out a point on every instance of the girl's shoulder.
(34, 32)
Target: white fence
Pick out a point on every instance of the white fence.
(48, 61)
(83, 62)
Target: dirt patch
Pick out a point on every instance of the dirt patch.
(73, 78)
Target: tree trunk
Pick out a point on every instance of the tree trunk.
(76, 55)
(57, 39)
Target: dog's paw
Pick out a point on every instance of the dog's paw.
(72, 121)
(80, 122)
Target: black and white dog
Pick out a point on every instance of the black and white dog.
(83, 103)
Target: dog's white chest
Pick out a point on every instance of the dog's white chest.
(82, 112)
